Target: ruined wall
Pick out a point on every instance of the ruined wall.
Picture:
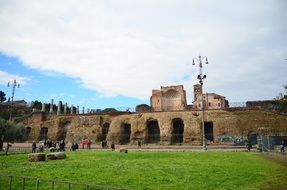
(234, 123)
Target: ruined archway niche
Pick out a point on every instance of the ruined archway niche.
(43, 134)
(152, 131)
(63, 129)
(177, 131)
(208, 131)
(105, 131)
(125, 133)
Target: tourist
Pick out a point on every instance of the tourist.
(34, 147)
(62, 145)
(282, 146)
(248, 146)
(89, 144)
(113, 146)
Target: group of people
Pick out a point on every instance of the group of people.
(52, 146)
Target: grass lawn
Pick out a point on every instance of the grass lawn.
(155, 170)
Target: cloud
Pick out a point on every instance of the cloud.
(128, 48)
(6, 78)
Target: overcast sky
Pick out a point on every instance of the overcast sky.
(111, 53)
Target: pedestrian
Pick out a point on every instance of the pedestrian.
(34, 147)
(113, 146)
(89, 144)
(248, 146)
(282, 146)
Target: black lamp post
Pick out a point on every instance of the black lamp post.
(201, 77)
(14, 84)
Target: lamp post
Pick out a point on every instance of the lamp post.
(200, 77)
(14, 84)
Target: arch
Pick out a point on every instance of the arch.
(171, 94)
(125, 136)
(252, 137)
(43, 134)
(63, 129)
(208, 130)
(177, 131)
(105, 130)
(153, 131)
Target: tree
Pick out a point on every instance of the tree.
(2, 96)
(10, 132)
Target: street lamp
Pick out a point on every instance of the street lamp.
(14, 84)
(201, 77)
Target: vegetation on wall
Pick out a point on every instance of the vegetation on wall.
(10, 132)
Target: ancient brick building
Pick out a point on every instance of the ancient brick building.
(210, 100)
(168, 98)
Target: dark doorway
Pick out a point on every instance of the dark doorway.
(208, 131)
(177, 131)
(44, 134)
(153, 132)
(62, 131)
(105, 131)
(252, 138)
(126, 133)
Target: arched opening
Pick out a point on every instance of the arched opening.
(208, 131)
(153, 131)
(105, 131)
(177, 131)
(43, 134)
(252, 137)
(125, 133)
(63, 129)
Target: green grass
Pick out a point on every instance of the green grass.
(155, 170)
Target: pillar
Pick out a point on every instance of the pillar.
(77, 111)
(59, 108)
(65, 108)
(43, 107)
(72, 107)
(51, 105)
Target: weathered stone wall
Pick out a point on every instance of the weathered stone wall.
(235, 123)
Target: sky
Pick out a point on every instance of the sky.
(108, 53)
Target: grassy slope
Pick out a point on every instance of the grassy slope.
(138, 170)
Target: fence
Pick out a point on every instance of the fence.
(11, 182)
(270, 143)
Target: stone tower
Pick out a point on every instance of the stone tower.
(197, 91)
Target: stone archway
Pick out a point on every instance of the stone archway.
(125, 136)
(177, 131)
(153, 131)
(208, 131)
(105, 131)
(43, 134)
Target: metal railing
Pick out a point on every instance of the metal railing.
(10, 182)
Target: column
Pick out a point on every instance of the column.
(51, 105)
(59, 108)
(65, 108)
(43, 107)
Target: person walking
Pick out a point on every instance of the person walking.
(34, 147)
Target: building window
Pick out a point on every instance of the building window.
(218, 104)
(209, 104)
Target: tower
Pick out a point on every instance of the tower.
(197, 91)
